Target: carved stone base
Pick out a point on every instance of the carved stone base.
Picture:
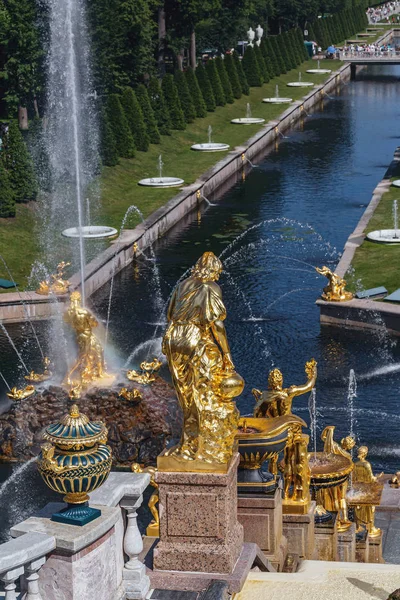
(199, 530)
(299, 531)
(261, 517)
(347, 545)
(375, 549)
(326, 540)
(362, 547)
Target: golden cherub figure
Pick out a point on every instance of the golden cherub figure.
(90, 365)
(297, 472)
(277, 400)
(335, 291)
(200, 362)
(153, 530)
(130, 395)
(20, 394)
(39, 377)
(364, 514)
(57, 284)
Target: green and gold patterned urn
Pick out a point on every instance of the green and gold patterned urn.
(75, 461)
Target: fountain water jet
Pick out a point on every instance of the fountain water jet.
(161, 181)
(319, 70)
(387, 236)
(351, 394)
(277, 99)
(14, 347)
(300, 82)
(210, 146)
(248, 119)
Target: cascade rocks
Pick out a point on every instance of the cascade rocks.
(137, 431)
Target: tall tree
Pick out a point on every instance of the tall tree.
(195, 92)
(205, 87)
(108, 144)
(134, 116)
(23, 68)
(120, 127)
(173, 103)
(185, 97)
(148, 114)
(184, 15)
(19, 165)
(159, 106)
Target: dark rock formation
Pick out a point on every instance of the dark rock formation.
(138, 431)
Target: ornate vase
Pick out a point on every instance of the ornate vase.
(75, 461)
(261, 440)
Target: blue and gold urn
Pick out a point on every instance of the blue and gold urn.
(75, 461)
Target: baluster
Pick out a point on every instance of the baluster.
(32, 579)
(9, 578)
(136, 582)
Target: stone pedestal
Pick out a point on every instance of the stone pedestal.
(261, 517)
(362, 547)
(375, 549)
(84, 563)
(199, 529)
(299, 532)
(347, 545)
(326, 540)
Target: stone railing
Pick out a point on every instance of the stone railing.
(125, 490)
(387, 55)
(21, 559)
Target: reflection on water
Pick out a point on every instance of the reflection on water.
(295, 211)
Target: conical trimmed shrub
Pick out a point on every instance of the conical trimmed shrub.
(244, 84)
(159, 106)
(135, 119)
(233, 76)
(148, 114)
(223, 75)
(268, 59)
(205, 87)
(120, 127)
(261, 64)
(215, 82)
(278, 54)
(251, 68)
(108, 145)
(19, 165)
(185, 97)
(7, 196)
(173, 103)
(195, 92)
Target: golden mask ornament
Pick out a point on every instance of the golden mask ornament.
(147, 373)
(203, 373)
(40, 377)
(335, 290)
(20, 394)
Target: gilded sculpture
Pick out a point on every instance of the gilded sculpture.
(147, 373)
(203, 373)
(40, 377)
(153, 529)
(335, 291)
(17, 394)
(334, 498)
(90, 365)
(296, 472)
(56, 284)
(365, 512)
(277, 401)
(130, 395)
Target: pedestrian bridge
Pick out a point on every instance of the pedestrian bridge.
(371, 58)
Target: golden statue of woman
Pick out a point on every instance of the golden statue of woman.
(90, 363)
(277, 400)
(200, 362)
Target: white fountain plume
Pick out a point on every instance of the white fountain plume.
(248, 111)
(276, 91)
(72, 132)
(351, 394)
(209, 134)
(299, 76)
(395, 218)
(312, 409)
(160, 166)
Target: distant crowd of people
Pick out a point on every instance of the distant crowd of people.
(384, 11)
(370, 49)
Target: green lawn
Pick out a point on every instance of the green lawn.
(378, 264)
(18, 238)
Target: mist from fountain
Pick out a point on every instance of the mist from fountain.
(277, 91)
(5, 381)
(9, 338)
(351, 395)
(312, 409)
(72, 130)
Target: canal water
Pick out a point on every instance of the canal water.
(293, 211)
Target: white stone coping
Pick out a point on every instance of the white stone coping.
(118, 485)
(25, 549)
(70, 538)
